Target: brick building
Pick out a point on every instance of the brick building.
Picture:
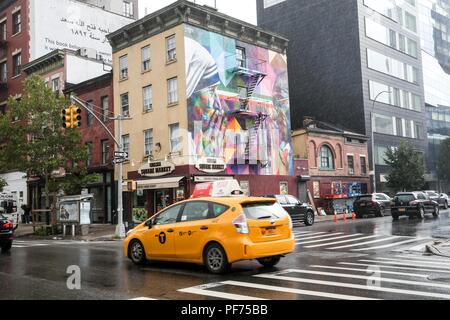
(337, 161)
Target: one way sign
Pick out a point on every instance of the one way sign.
(120, 155)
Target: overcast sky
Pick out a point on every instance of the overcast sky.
(240, 9)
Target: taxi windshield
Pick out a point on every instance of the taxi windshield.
(264, 210)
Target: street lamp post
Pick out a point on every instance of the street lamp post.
(372, 124)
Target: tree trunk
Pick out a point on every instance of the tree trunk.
(47, 193)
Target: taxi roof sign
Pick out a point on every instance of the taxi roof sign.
(225, 188)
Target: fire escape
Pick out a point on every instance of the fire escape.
(250, 72)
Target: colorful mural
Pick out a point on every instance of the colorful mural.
(238, 104)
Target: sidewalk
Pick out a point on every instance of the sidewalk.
(439, 248)
(97, 232)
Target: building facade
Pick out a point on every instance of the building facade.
(434, 26)
(208, 98)
(97, 94)
(127, 8)
(338, 164)
(357, 64)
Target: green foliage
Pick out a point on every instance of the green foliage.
(36, 142)
(2, 184)
(443, 162)
(407, 168)
(140, 215)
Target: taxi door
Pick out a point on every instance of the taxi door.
(159, 241)
(193, 230)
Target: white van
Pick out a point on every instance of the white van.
(8, 207)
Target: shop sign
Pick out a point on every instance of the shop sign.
(211, 165)
(157, 169)
(199, 179)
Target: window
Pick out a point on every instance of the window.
(3, 30)
(171, 48)
(128, 9)
(123, 66)
(89, 116)
(326, 158)
(105, 151)
(363, 165)
(402, 42)
(55, 85)
(241, 60)
(3, 72)
(291, 200)
(218, 209)
(148, 142)
(194, 211)
(147, 94)
(270, 3)
(380, 155)
(351, 165)
(172, 91)
(89, 153)
(168, 216)
(145, 58)
(410, 22)
(175, 138)
(392, 67)
(383, 124)
(412, 48)
(105, 108)
(408, 128)
(416, 102)
(17, 22)
(126, 143)
(399, 126)
(124, 105)
(17, 63)
(417, 130)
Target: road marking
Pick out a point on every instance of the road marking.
(365, 243)
(309, 234)
(215, 294)
(328, 239)
(381, 279)
(339, 242)
(296, 291)
(18, 246)
(420, 261)
(391, 245)
(420, 247)
(424, 258)
(409, 263)
(356, 286)
(367, 270)
(393, 267)
(322, 236)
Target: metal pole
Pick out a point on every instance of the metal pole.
(120, 230)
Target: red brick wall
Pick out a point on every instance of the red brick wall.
(19, 41)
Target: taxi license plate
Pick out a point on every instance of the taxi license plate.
(270, 232)
(402, 210)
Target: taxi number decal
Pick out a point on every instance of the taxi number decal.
(162, 238)
(189, 233)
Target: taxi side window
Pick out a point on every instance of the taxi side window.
(167, 217)
(218, 209)
(194, 211)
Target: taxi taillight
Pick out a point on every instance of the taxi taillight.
(240, 223)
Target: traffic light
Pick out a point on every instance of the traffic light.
(71, 117)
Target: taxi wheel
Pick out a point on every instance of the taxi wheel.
(7, 246)
(436, 212)
(137, 252)
(215, 259)
(269, 262)
(421, 214)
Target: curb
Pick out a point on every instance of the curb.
(435, 249)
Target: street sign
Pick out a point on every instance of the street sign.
(118, 154)
(119, 160)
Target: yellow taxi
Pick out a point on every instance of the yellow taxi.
(214, 231)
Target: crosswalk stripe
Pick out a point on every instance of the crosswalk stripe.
(356, 286)
(391, 245)
(215, 294)
(445, 263)
(322, 236)
(18, 246)
(383, 279)
(340, 242)
(367, 270)
(365, 243)
(333, 238)
(307, 232)
(394, 267)
(420, 247)
(409, 263)
(296, 291)
(443, 259)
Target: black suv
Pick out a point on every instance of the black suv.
(378, 204)
(299, 212)
(6, 233)
(413, 204)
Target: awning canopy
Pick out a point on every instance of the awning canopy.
(163, 183)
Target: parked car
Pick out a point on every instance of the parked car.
(6, 233)
(299, 212)
(413, 204)
(377, 204)
(442, 198)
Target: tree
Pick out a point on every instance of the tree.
(443, 162)
(35, 141)
(407, 168)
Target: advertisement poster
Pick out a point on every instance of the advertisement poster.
(85, 212)
(68, 212)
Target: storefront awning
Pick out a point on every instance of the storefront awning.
(163, 183)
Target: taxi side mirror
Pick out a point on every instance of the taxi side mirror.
(149, 224)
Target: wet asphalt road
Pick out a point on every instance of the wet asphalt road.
(372, 258)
